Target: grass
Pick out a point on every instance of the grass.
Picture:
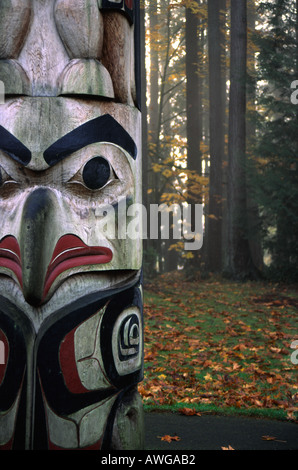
(217, 346)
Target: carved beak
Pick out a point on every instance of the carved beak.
(43, 260)
(37, 230)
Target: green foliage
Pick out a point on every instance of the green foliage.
(275, 179)
(149, 262)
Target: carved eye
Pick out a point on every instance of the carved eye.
(96, 173)
(5, 178)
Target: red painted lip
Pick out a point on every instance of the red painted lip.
(10, 256)
(71, 252)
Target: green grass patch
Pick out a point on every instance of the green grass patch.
(222, 345)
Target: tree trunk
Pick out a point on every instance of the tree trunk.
(144, 106)
(152, 246)
(192, 91)
(193, 115)
(239, 258)
(253, 217)
(216, 114)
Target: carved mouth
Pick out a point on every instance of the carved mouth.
(71, 252)
(10, 256)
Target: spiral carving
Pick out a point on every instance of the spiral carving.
(127, 341)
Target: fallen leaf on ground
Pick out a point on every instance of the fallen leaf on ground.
(188, 412)
(271, 438)
(168, 438)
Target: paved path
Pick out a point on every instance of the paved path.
(210, 432)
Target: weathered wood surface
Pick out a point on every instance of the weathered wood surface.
(71, 320)
(66, 47)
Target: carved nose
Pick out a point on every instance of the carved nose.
(37, 225)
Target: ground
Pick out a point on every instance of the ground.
(220, 346)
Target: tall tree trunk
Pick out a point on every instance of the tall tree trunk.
(145, 165)
(216, 130)
(224, 9)
(145, 156)
(239, 258)
(170, 256)
(253, 217)
(154, 93)
(193, 115)
(296, 31)
(192, 91)
(152, 246)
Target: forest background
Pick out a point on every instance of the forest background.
(220, 121)
(221, 130)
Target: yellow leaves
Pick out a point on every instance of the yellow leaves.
(180, 184)
(271, 438)
(196, 8)
(172, 198)
(261, 161)
(208, 377)
(204, 148)
(162, 376)
(156, 167)
(167, 173)
(179, 247)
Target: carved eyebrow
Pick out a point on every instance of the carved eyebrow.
(13, 147)
(102, 129)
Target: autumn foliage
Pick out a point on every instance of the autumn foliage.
(220, 345)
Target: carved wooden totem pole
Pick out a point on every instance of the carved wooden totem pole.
(70, 290)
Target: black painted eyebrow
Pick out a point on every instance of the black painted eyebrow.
(102, 129)
(14, 147)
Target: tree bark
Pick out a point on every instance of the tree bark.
(144, 106)
(193, 115)
(239, 257)
(254, 222)
(192, 91)
(216, 117)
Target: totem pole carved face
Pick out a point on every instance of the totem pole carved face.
(56, 188)
(70, 167)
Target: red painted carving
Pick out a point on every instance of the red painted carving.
(4, 352)
(71, 252)
(129, 4)
(10, 256)
(68, 365)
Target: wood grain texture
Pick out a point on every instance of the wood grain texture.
(80, 26)
(117, 56)
(43, 56)
(66, 47)
(71, 228)
(15, 18)
(85, 77)
(14, 78)
(72, 208)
